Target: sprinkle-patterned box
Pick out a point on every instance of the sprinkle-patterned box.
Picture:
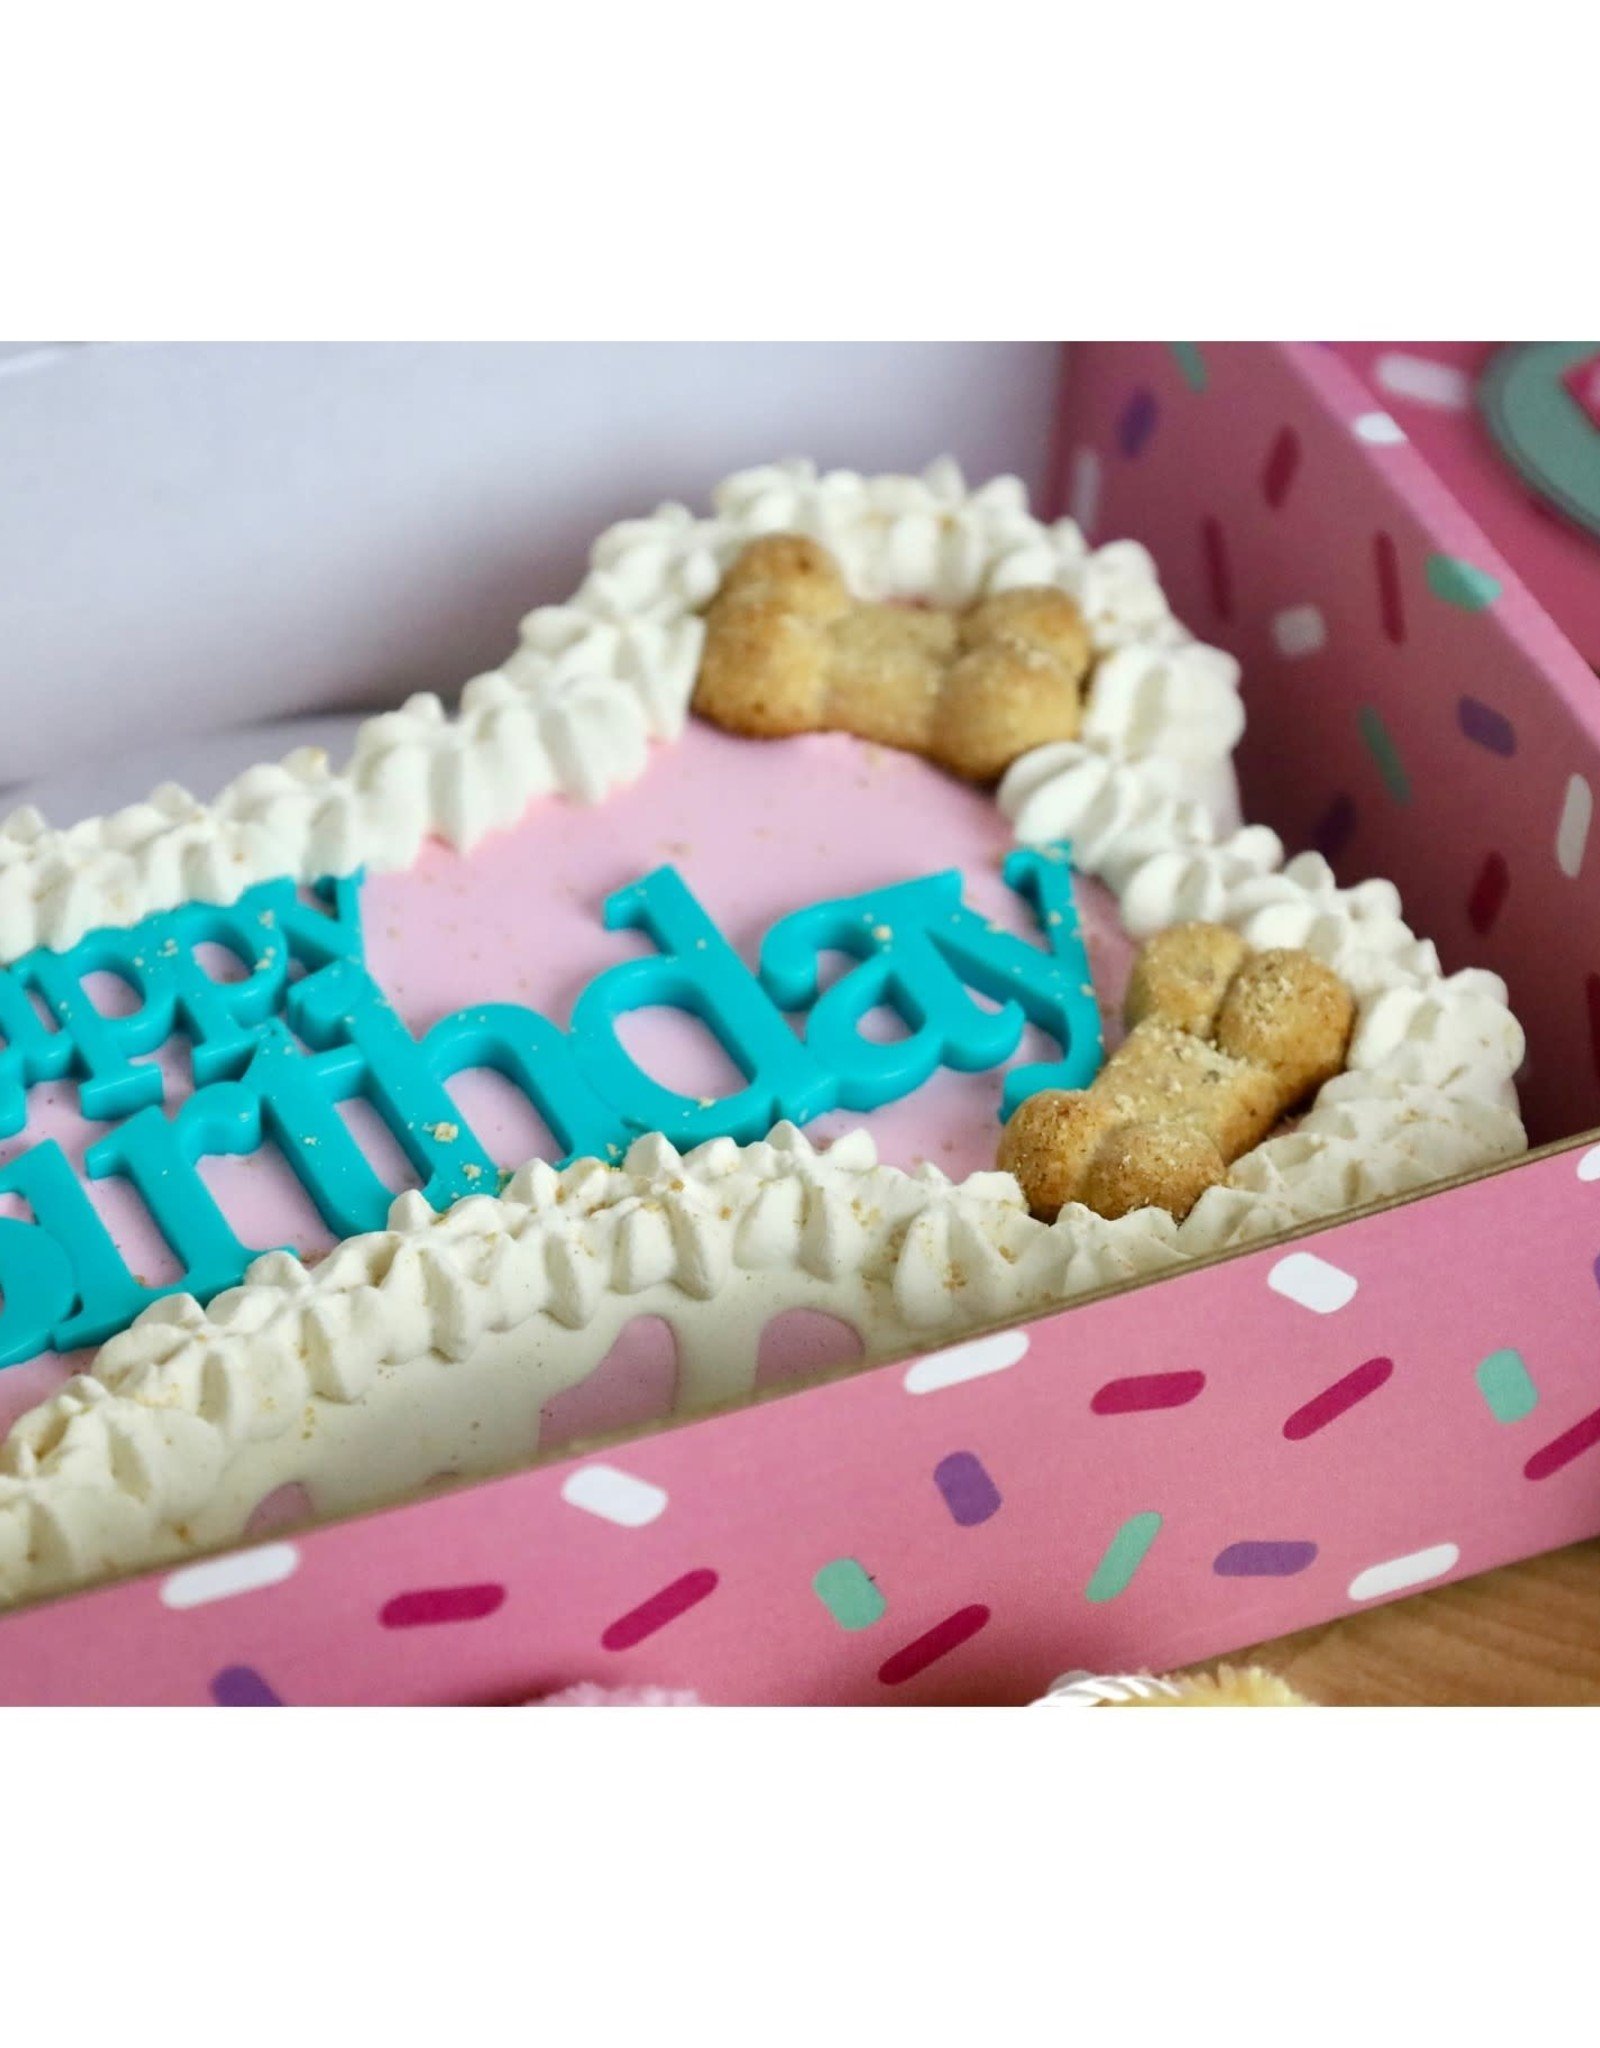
(1172, 1470)
(1414, 711)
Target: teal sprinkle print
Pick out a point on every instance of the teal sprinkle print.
(1505, 1385)
(1191, 363)
(1384, 752)
(1461, 583)
(1124, 1555)
(848, 1594)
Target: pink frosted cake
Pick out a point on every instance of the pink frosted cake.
(569, 1061)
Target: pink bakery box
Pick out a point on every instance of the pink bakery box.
(1173, 1468)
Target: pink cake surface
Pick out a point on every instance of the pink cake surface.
(756, 829)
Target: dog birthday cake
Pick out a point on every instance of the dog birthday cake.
(829, 933)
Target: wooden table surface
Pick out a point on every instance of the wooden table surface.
(1524, 1636)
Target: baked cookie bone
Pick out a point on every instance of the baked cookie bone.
(1223, 1042)
(789, 650)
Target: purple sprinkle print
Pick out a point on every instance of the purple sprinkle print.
(969, 1493)
(239, 1686)
(1486, 727)
(1263, 1560)
(1137, 421)
(1336, 828)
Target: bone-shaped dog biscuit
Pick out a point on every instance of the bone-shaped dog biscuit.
(1222, 1043)
(788, 650)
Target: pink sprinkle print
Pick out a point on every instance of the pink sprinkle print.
(1591, 989)
(430, 1605)
(1147, 1390)
(1336, 1400)
(1488, 893)
(1283, 460)
(939, 1641)
(1391, 600)
(1572, 1443)
(659, 1609)
(1219, 575)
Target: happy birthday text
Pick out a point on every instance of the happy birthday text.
(302, 1027)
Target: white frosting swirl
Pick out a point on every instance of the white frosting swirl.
(416, 773)
(1176, 702)
(1366, 1139)
(1108, 1689)
(1115, 813)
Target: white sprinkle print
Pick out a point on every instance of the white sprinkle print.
(224, 1578)
(1572, 834)
(1379, 429)
(1589, 1164)
(1085, 492)
(1396, 1573)
(1304, 1278)
(614, 1496)
(1299, 630)
(965, 1362)
(1425, 381)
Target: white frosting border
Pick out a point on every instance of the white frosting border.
(1110, 1689)
(595, 680)
(191, 1415)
